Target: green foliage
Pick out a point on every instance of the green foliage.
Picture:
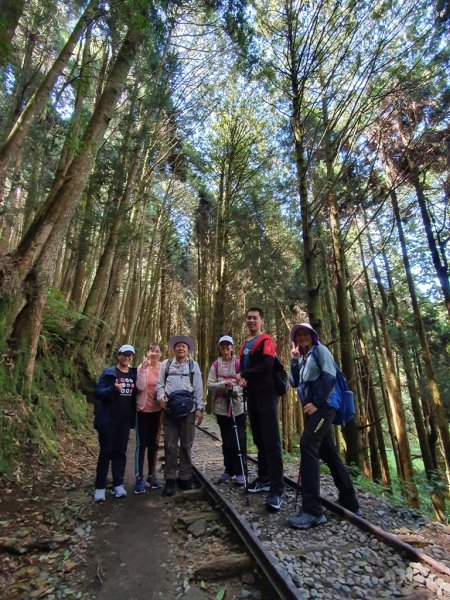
(54, 404)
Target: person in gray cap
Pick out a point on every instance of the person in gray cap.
(229, 410)
(115, 413)
(180, 392)
(313, 373)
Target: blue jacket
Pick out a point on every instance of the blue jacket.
(315, 379)
(110, 405)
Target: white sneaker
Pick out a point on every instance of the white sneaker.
(119, 491)
(99, 495)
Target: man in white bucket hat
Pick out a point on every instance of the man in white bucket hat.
(180, 393)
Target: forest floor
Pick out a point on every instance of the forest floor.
(55, 543)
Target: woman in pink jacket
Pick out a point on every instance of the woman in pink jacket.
(148, 418)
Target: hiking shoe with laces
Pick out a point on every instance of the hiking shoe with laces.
(305, 520)
(139, 486)
(224, 478)
(273, 502)
(99, 495)
(119, 491)
(239, 480)
(258, 486)
(155, 483)
(169, 487)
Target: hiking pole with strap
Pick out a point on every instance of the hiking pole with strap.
(244, 401)
(236, 433)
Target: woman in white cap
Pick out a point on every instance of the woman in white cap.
(313, 373)
(115, 411)
(229, 409)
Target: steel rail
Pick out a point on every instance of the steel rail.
(278, 579)
(389, 539)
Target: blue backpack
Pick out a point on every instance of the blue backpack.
(346, 411)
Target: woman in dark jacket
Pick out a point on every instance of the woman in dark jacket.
(115, 414)
(313, 373)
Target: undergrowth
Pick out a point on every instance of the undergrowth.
(34, 424)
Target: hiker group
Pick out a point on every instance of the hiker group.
(169, 394)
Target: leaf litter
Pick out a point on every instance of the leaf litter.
(45, 527)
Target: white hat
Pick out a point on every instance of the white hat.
(126, 348)
(181, 339)
(226, 339)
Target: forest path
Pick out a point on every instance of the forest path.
(132, 542)
(55, 543)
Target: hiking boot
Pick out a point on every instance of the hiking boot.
(258, 486)
(273, 502)
(155, 483)
(357, 512)
(224, 478)
(187, 484)
(99, 495)
(305, 520)
(119, 491)
(139, 486)
(169, 487)
(239, 480)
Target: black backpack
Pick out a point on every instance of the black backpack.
(280, 377)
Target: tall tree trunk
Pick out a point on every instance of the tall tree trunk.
(368, 397)
(437, 499)
(392, 381)
(16, 136)
(436, 404)
(10, 11)
(32, 266)
(309, 250)
(84, 237)
(440, 265)
(373, 403)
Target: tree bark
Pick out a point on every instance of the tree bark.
(436, 404)
(10, 11)
(36, 256)
(393, 387)
(16, 136)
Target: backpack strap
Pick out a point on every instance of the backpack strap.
(315, 357)
(166, 372)
(237, 367)
(191, 372)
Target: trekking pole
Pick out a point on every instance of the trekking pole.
(244, 401)
(297, 491)
(236, 433)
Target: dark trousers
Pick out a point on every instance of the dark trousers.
(178, 439)
(263, 416)
(147, 426)
(113, 440)
(317, 442)
(230, 449)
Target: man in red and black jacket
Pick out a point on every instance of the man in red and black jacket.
(257, 354)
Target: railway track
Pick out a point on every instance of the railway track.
(350, 557)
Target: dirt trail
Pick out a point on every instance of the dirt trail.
(132, 545)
